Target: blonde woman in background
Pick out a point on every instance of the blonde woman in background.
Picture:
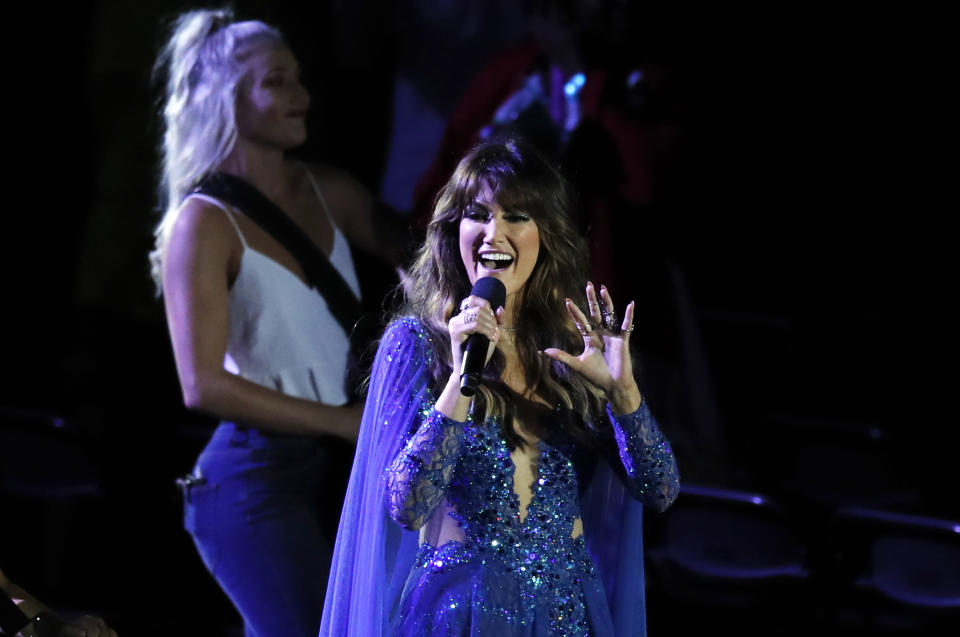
(255, 345)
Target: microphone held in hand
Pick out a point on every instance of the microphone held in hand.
(475, 353)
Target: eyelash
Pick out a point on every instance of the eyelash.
(512, 217)
(273, 81)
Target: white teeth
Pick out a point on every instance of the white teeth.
(495, 260)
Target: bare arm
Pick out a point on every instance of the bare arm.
(196, 271)
(50, 623)
(27, 603)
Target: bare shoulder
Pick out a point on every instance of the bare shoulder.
(203, 221)
(204, 237)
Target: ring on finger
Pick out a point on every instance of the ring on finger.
(584, 329)
(610, 318)
(463, 304)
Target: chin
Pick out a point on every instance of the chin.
(295, 136)
(296, 140)
(290, 144)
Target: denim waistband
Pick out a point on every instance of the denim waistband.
(233, 435)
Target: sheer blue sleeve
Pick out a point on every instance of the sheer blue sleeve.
(652, 475)
(427, 443)
(373, 554)
(417, 478)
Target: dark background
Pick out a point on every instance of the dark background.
(819, 256)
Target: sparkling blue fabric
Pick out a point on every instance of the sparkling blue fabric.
(510, 575)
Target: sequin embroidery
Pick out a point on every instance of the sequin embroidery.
(516, 571)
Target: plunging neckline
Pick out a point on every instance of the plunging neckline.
(536, 474)
(539, 411)
(275, 264)
(337, 236)
(535, 459)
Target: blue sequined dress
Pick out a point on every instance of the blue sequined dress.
(506, 572)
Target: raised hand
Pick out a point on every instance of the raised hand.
(605, 360)
(475, 317)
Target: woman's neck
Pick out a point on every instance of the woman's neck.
(513, 374)
(264, 168)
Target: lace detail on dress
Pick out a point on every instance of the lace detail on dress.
(417, 479)
(651, 468)
(527, 570)
(504, 576)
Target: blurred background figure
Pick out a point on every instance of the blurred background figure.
(24, 615)
(262, 297)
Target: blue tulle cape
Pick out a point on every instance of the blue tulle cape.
(373, 555)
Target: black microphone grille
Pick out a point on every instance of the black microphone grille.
(492, 290)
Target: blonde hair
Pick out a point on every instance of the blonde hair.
(204, 60)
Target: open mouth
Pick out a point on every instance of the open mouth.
(495, 260)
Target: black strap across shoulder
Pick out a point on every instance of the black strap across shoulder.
(320, 273)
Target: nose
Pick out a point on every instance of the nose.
(492, 230)
(302, 95)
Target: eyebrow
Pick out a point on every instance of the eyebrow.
(486, 209)
(477, 204)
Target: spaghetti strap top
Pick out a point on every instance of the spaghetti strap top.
(319, 193)
(282, 332)
(219, 204)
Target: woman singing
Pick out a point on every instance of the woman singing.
(516, 511)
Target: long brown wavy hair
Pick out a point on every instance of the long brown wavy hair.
(521, 179)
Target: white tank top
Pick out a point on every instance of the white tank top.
(282, 333)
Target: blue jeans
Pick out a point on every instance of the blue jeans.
(254, 513)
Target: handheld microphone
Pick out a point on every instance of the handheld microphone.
(475, 353)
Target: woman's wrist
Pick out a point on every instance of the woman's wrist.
(625, 400)
(451, 402)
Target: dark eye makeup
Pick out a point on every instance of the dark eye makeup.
(479, 212)
(476, 213)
